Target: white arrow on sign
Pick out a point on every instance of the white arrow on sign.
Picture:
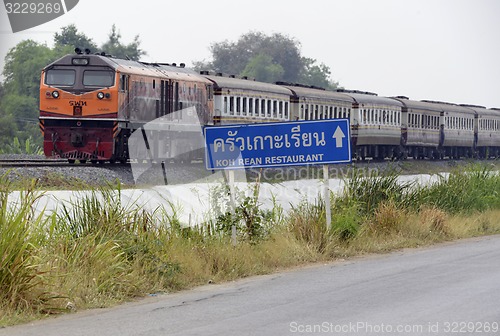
(338, 136)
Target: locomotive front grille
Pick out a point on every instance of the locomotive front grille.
(76, 155)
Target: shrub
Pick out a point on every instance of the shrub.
(250, 221)
(346, 222)
(387, 218)
(435, 219)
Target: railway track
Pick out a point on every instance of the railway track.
(14, 163)
(72, 163)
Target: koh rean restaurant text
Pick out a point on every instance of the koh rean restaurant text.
(269, 160)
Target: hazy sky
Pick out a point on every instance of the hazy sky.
(445, 50)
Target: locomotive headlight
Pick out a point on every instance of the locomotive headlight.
(55, 94)
(100, 95)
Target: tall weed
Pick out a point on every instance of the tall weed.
(475, 188)
(307, 223)
(20, 236)
(369, 192)
(94, 211)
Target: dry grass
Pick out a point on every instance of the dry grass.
(386, 219)
(217, 260)
(478, 224)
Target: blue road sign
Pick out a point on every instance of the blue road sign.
(277, 144)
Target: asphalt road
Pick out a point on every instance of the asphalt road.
(448, 289)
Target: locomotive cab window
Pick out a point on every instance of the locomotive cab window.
(65, 77)
(102, 78)
(123, 83)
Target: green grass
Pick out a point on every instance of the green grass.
(475, 188)
(99, 251)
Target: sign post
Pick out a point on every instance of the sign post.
(326, 181)
(233, 204)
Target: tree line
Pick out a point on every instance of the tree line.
(267, 58)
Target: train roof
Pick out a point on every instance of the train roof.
(222, 82)
(161, 70)
(450, 107)
(482, 111)
(416, 104)
(362, 98)
(169, 71)
(312, 92)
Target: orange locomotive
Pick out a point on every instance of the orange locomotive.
(91, 103)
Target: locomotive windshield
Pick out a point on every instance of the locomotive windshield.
(101, 78)
(64, 77)
(80, 79)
